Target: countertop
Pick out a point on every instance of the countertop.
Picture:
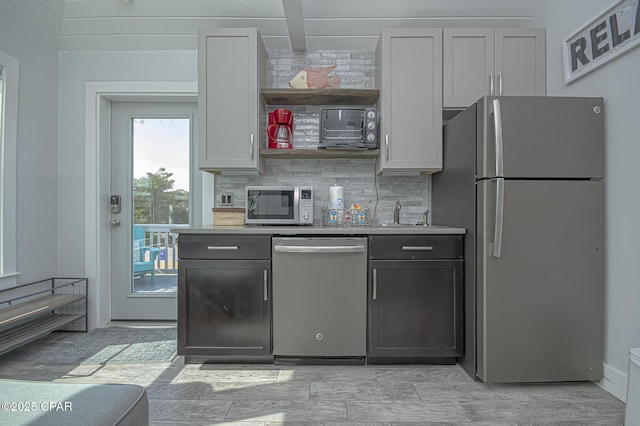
(321, 230)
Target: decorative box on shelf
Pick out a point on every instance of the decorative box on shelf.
(228, 216)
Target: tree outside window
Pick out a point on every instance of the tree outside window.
(156, 202)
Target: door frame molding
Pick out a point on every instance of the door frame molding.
(98, 98)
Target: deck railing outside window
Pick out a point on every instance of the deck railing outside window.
(160, 236)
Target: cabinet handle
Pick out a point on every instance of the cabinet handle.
(499, 84)
(265, 280)
(251, 147)
(386, 143)
(491, 84)
(223, 247)
(375, 284)
(417, 248)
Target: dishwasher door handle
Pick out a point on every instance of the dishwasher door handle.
(319, 249)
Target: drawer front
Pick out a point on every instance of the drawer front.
(224, 246)
(415, 247)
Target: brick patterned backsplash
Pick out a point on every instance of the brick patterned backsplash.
(357, 175)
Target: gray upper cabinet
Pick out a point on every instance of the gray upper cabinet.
(231, 72)
(409, 77)
(487, 61)
(468, 65)
(520, 62)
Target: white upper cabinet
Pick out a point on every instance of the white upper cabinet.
(231, 72)
(487, 61)
(409, 77)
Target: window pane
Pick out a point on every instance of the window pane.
(1, 163)
(160, 198)
(8, 163)
(1, 120)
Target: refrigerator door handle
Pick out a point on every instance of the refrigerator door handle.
(497, 236)
(497, 122)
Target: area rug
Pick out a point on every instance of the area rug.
(118, 346)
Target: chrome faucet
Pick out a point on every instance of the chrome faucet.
(396, 213)
(425, 218)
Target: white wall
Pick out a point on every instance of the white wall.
(77, 68)
(618, 83)
(36, 203)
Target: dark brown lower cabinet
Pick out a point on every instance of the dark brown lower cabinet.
(415, 299)
(227, 308)
(224, 306)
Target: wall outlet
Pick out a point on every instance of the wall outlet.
(226, 199)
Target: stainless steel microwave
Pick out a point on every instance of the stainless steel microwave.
(279, 205)
(348, 128)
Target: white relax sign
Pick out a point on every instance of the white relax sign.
(606, 36)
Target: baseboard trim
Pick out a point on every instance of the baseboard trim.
(614, 382)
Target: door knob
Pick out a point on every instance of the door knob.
(114, 223)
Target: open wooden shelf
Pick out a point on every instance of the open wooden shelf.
(320, 153)
(320, 96)
(33, 310)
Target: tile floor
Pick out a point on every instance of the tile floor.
(269, 395)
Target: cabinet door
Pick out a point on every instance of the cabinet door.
(224, 308)
(415, 308)
(468, 61)
(228, 99)
(410, 82)
(520, 62)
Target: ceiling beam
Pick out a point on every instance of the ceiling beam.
(295, 24)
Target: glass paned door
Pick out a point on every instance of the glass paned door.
(152, 177)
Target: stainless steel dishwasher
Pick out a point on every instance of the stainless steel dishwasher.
(319, 297)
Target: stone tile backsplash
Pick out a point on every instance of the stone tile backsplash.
(357, 175)
(355, 68)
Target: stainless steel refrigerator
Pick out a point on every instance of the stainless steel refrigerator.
(524, 176)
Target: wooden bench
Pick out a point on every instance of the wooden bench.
(31, 311)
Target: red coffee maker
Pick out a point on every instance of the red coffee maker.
(280, 129)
